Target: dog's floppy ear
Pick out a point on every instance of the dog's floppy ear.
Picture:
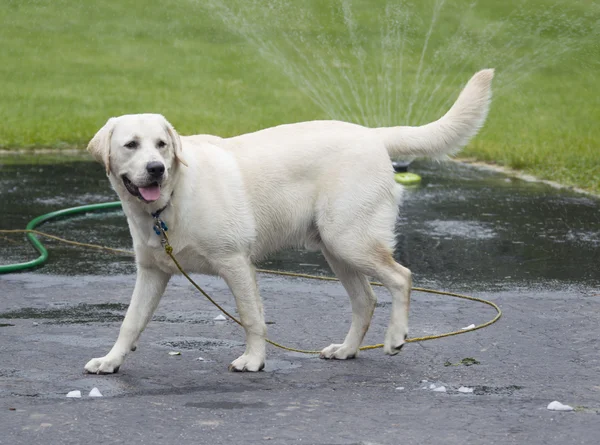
(176, 141)
(99, 146)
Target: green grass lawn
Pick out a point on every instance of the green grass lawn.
(233, 66)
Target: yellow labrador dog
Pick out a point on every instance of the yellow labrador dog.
(228, 203)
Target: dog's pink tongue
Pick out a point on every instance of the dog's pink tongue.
(151, 193)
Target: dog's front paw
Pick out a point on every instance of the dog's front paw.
(394, 340)
(247, 363)
(103, 365)
(338, 352)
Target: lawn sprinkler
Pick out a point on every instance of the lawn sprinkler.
(403, 176)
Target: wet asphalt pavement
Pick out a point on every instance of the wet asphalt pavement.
(533, 250)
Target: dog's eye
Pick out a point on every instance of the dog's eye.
(161, 144)
(131, 144)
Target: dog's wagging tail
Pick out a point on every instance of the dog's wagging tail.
(451, 132)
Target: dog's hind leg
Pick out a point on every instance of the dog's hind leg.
(364, 244)
(398, 281)
(363, 302)
(379, 263)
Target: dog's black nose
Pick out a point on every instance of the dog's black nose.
(155, 169)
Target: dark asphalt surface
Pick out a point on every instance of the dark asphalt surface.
(530, 249)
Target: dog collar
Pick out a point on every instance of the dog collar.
(156, 214)
(159, 226)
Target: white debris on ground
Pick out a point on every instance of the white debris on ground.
(465, 390)
(75, 394)
(200, 359)
(95, 392)
(471, 326)
(557, 406)
(399, 388)
(433, 387)
(174, 353)
(220, 317)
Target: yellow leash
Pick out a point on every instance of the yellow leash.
(66, 241)
(169, 252)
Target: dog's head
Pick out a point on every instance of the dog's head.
(141, 151)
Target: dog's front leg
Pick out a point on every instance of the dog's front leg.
(149, 288)
(240, 275)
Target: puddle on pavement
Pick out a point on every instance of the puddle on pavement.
(107, 312)
(462, 228)
(478, 390)
(226, 405)
(496, 390)
(200, 344)
(81, 313)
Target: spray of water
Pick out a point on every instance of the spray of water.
(401, 68)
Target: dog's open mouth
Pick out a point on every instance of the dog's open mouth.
(148, 193)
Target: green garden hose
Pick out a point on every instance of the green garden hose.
(8, 268)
